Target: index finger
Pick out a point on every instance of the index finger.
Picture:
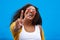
(21, 16)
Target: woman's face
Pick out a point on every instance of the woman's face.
(30, 13)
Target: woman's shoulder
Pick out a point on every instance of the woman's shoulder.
(39, 25)
(12, 25)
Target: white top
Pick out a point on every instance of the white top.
(30, 35)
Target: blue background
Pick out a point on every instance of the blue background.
(49, 10)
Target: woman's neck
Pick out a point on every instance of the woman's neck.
(27, 22)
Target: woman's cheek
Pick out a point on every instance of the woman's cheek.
(34, 12)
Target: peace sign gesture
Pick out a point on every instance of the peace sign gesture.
(19, 21)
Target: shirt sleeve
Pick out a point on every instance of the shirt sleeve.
(12, 28)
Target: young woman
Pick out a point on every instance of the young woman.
(26, 24)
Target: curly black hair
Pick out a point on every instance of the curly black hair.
(37, 19)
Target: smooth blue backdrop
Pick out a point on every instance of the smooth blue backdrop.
(49, 10)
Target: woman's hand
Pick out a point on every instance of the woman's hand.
(19, 22)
